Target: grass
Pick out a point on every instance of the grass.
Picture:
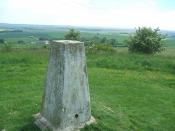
(128, 91)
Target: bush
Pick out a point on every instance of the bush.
(6, 47)
(21, 42)
(72, 35)
(45, 46)
(2, 41)
(145, 40)
(100, 49)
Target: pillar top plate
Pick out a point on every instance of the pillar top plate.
(67, 42)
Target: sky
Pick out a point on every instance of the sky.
(97, 13)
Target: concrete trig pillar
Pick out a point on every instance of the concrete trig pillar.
(66, 99)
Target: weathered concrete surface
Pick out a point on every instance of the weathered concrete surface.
(66, 99)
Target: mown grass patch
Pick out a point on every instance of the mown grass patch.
(128, 91)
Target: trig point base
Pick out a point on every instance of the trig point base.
(66, 99)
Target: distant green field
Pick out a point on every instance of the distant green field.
(33, 35)
(129, 92)
(30, 35)
(170, 42)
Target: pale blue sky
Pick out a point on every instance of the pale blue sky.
(102, 13)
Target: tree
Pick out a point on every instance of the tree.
(21, 42)
(103, 40)
(6, 47)
(113, 42)
(145, 40)
(43, 38)
(2, 41)
(72, 35)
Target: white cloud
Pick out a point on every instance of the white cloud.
(109, 13)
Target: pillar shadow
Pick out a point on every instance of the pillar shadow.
(30, 127)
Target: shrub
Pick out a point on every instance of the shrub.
(21, 42)
(6, 47)
(98, 48)
(113, 42)
(45, 46)
(72, 35)
(2, 41)
(145, 40)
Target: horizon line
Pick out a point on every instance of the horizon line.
(86, 26)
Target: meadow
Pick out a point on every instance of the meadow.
(128, 91)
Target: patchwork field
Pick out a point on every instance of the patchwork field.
(128, 91)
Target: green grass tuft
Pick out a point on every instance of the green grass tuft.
(128, 91)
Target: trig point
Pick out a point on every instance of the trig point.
(66, 99)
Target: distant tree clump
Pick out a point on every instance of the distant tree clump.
(113, 42)
(145, 40)
(6, 47)
(43, 38)
(21, 42)
(103, 40)
(72, 35)
(2, 41)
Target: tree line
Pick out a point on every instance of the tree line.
(143, 40)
